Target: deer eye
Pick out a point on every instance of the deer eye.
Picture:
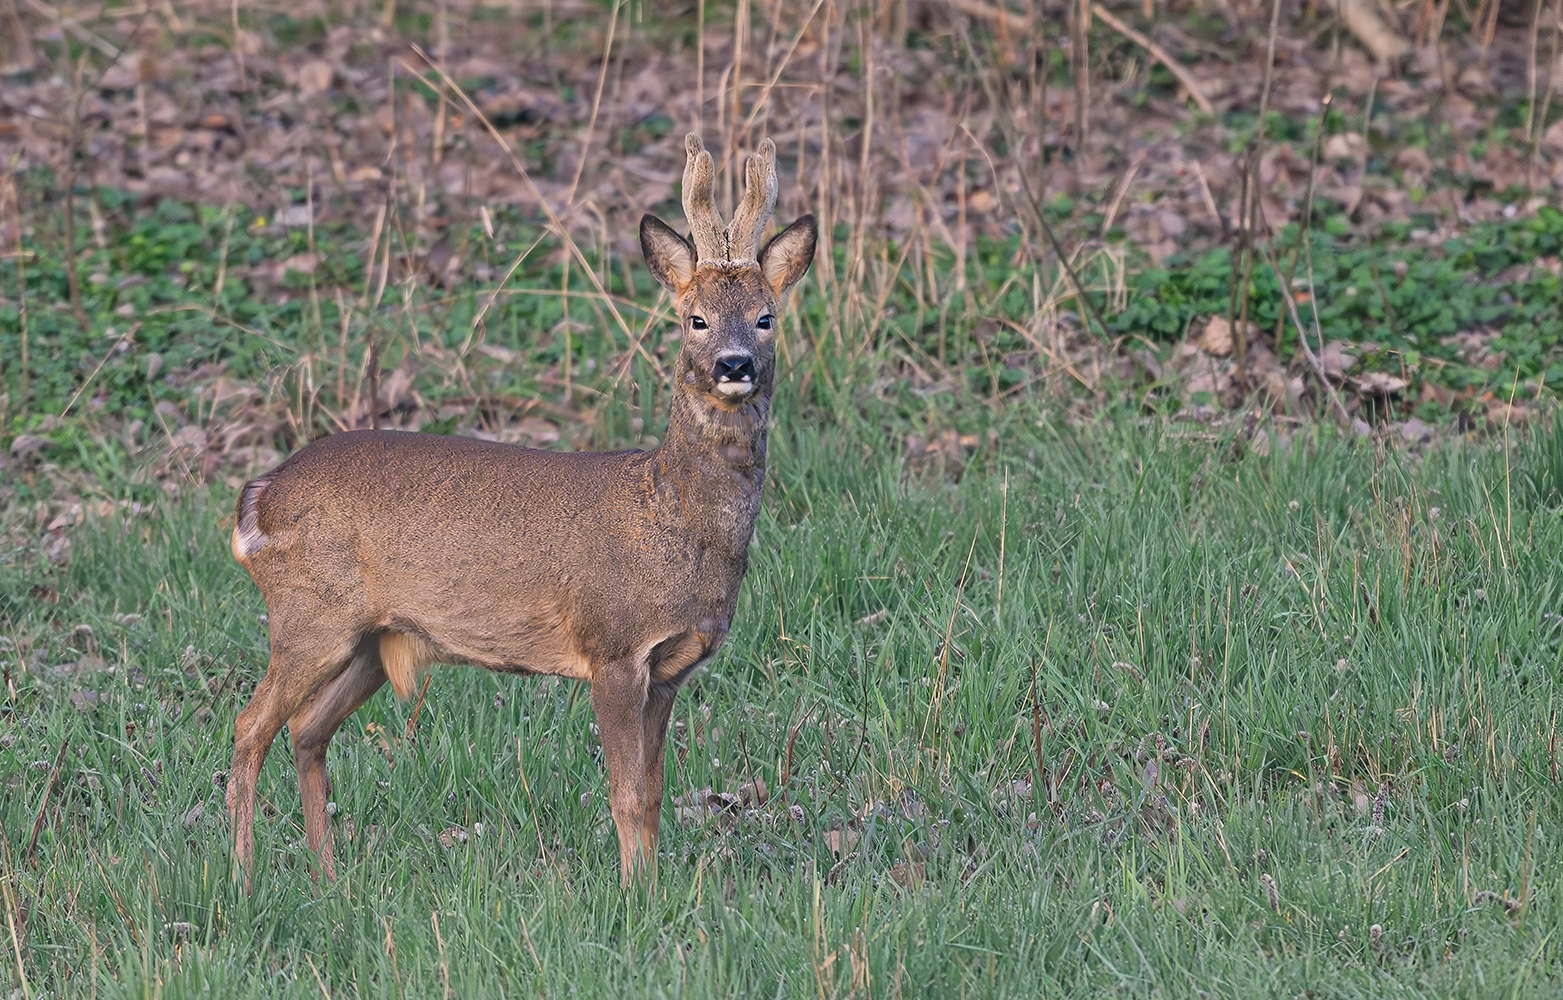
(766, 322)
(697, 323)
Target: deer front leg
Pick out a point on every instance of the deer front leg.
(619, 699)
(654, 730)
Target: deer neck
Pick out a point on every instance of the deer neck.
(711, 466)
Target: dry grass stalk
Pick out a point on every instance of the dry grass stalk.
(556, 224)
(1080, 56)
(1530, 67)
(1540, 124)
(73, 26)
(700, 66)
(1251, 211)
(734, 104)
(1375, 34)
(16, 53)
(238, 43)
(1156, 52)
(72, 151)
(762, 100)
(16, 942)
(1314, 361)
(591, 124)
(1122, 190)
(1489, 30)
(11, 210)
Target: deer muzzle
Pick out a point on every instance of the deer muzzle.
(733, 375)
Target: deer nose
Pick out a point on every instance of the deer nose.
(733, 368)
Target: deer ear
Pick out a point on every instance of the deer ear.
(668, 255)
(788, 255)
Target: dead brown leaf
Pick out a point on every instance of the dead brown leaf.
(315, 77)
(1378, 383)
(1217, 337)
(840, 840)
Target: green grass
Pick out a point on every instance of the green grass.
(1232, 654)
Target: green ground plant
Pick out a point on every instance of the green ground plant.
(1409, 299)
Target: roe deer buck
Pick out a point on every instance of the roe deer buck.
(381, 552)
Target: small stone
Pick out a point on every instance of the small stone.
(1416, 431)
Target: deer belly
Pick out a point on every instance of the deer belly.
(536, 641)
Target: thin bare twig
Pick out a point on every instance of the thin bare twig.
(123, 337)
(1302, 339)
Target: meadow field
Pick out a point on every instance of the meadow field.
(1157, 589)
(1132, 710)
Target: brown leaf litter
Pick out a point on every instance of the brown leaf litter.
(178, 114)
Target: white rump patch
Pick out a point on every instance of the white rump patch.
(248, 538)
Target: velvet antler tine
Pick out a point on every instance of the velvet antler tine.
(705, 225)
(759, 200)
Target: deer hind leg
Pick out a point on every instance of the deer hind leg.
(311, 729)
(618, 697)
(654, 730)
(287, 682)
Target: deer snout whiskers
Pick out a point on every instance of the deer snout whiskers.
(733, 375)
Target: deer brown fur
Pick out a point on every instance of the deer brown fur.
(381, 552)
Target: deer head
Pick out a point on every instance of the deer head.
(726, 288)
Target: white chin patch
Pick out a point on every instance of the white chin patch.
(735, 390)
